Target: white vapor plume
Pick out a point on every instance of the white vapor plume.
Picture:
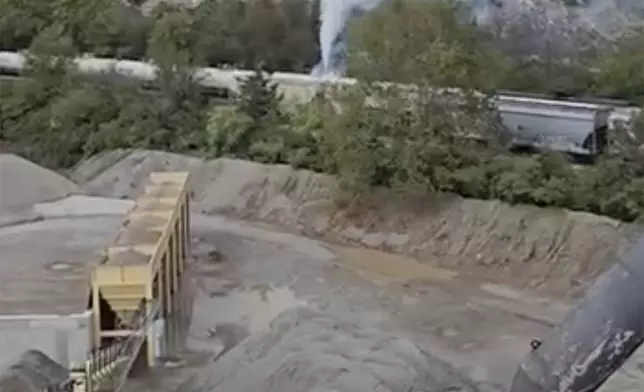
(335, 16)
(603, 18)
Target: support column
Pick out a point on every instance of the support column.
(186, 238)
(96, 313)
(149, 303)
(169, 260)
(182, 229)
(176, 260)
(165, 302)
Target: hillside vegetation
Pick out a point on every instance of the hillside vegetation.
(536, 50)
(430, 143)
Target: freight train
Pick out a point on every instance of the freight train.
(570, 125)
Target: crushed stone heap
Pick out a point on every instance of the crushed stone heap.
(34, 372)
(307, 351)
(23, 183)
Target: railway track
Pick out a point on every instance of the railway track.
(564, 124)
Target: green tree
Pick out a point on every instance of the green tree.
(253, 128)
(420, 42)
(21, 21)
(58, 116)
(621, 68)
(279, 34)
(119, 32)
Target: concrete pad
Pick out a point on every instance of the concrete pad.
(45, 265)
(79, 206)
(19, 217)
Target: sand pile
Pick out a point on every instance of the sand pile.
(539, 248)
(33, 373)
(23, 183)
(306, 351)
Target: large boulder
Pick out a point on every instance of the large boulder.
(306, 351)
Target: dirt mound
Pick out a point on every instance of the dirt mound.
(122, 173)
(33, 373)
(540, 248)
(303, 350)
(23, 183)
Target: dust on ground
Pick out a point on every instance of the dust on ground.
(458, 298)
(510, 259)
(483, 329)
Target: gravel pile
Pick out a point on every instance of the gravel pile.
(23, 183)
(33, 373)
(307, 351)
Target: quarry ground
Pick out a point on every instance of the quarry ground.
(259, 249)
(481, 328)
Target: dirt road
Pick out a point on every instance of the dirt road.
(246, 274)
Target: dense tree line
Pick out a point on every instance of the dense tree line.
(369, 136)
(531, 52)
(527, 52)
(446, 143)
(240, 33)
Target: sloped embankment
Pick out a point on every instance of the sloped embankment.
(23, 183)
(541, 248)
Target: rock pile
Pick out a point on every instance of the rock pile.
(33, 373)
(23, 183)
(307, 351)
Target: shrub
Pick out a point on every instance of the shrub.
(57, 117)
(420, 42)
(240, 33)
(621, 68)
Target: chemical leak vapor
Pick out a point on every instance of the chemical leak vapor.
(335, 16)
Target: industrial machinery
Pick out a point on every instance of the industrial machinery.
(596, 338)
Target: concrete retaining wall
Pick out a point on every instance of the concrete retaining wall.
(64, 339)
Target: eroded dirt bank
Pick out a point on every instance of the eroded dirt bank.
(555, 250)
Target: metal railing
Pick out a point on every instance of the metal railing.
(106, 368)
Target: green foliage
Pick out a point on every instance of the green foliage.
(279, 34)
(256, 119)
(257, 128)
(240, 33)
(427, 42)
(418, 139)
(621, 68)
(404, 40)
(368, 136)
(430, 42)
(57, 116)
(421, 149)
